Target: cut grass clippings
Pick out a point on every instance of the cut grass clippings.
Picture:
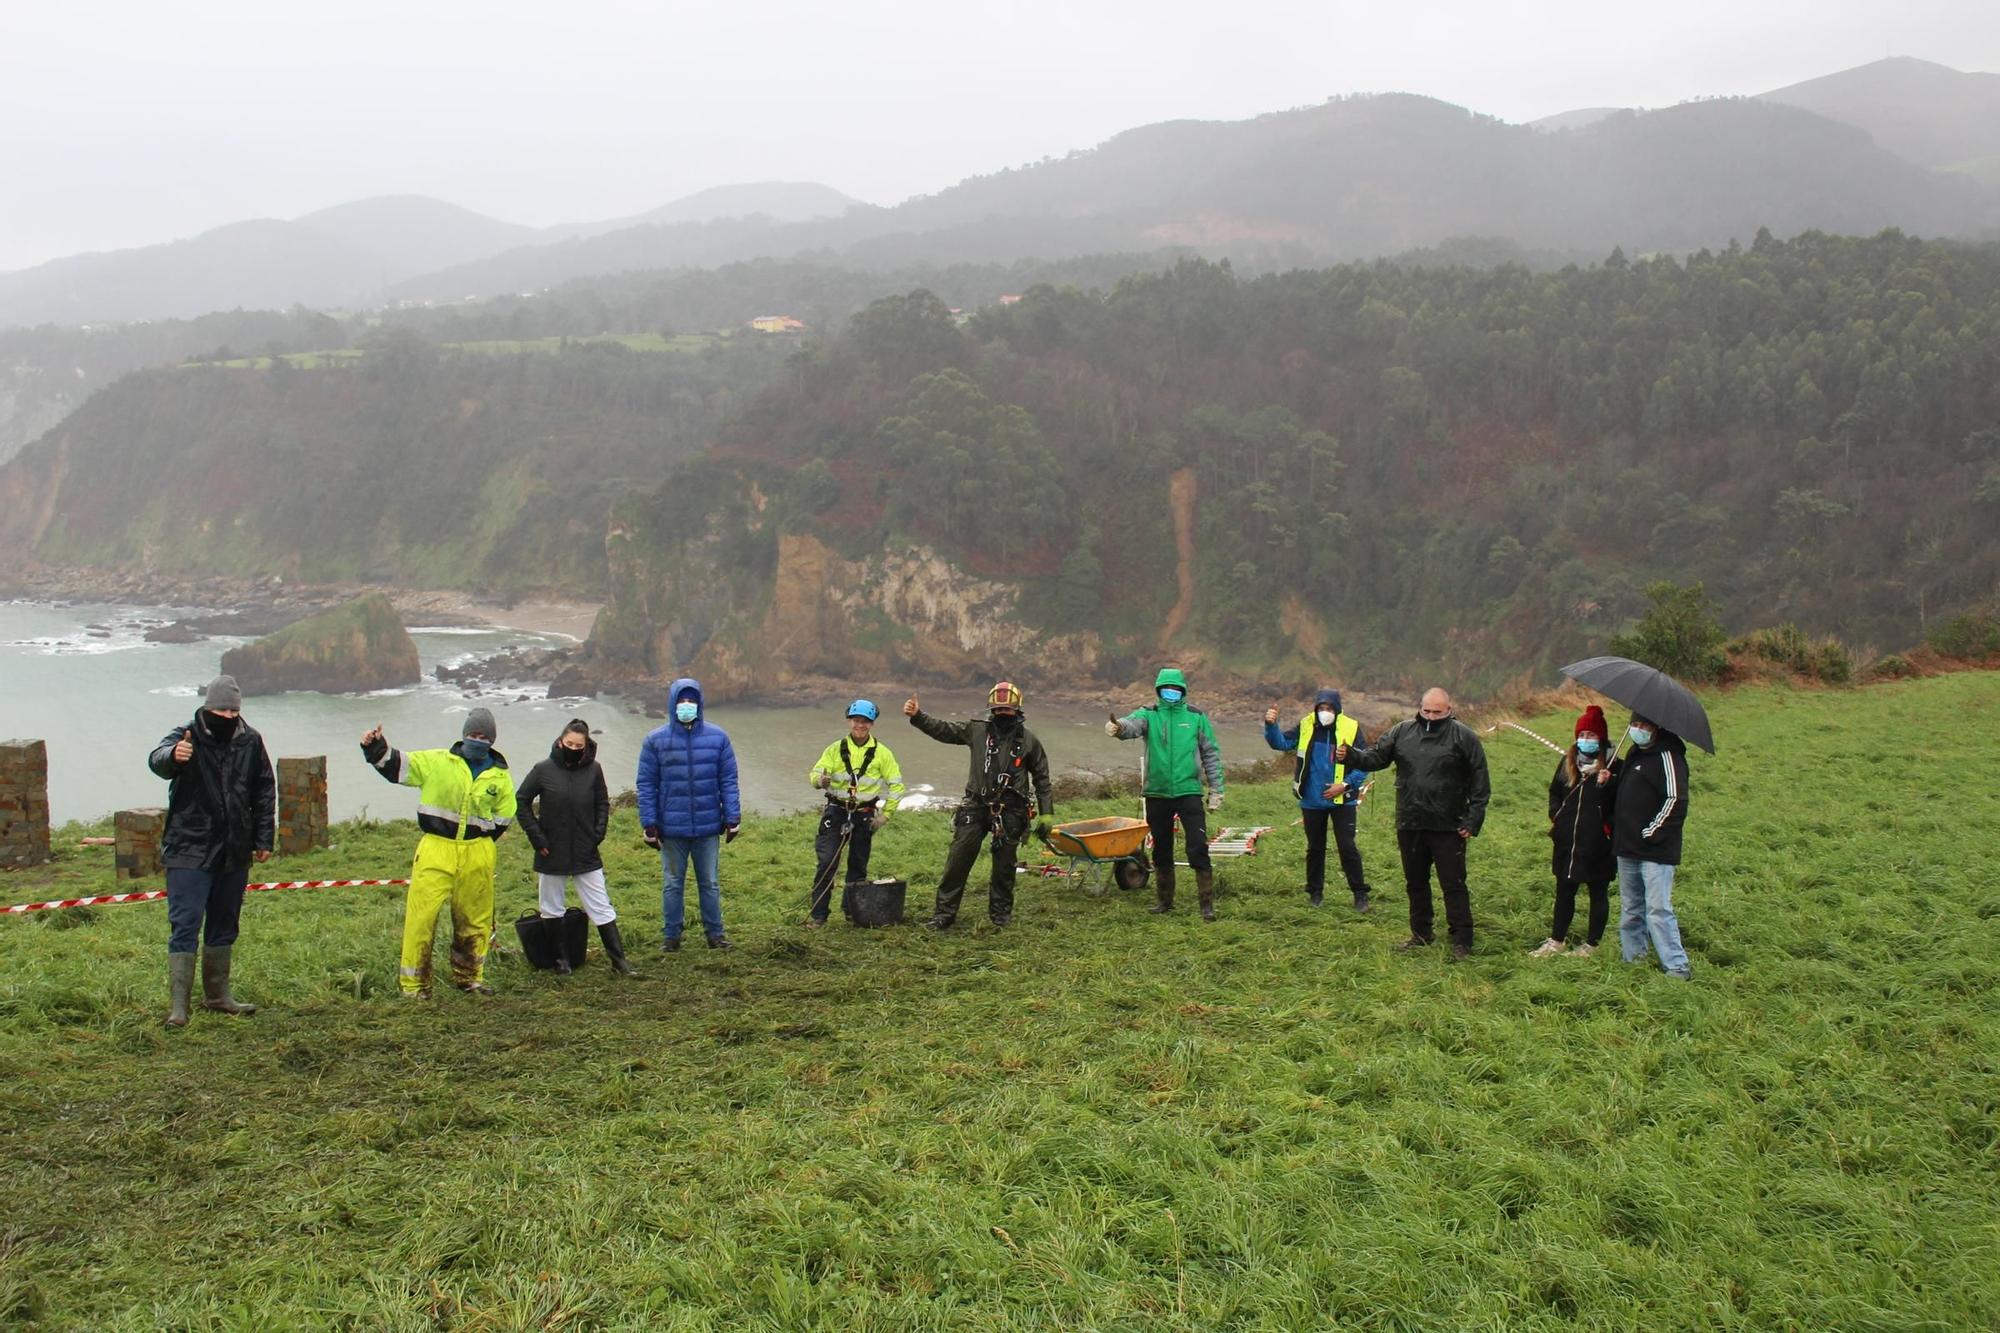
(1095, 1119)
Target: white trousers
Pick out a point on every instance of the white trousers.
(589, 887)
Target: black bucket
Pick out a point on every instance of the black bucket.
(875, 902)
(540, 939)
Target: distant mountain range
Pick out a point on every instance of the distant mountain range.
(1895, 143)
(1931, 114)
(342, 256)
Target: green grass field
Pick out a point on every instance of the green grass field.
(1096, 1119)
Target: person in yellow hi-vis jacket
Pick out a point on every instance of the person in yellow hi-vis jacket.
(465, 801)
(863, 782)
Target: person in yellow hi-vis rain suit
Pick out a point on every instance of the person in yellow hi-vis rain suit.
(465, 801)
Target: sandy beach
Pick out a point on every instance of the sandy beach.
(569, 619)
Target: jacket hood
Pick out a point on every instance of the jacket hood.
(556, 750)
(1669, 741)
(686, 685)
(1170, 676)
(1331, 698)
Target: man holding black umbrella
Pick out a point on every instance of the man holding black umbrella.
(1646, 837)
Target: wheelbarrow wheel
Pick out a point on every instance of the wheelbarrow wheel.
(1132, 874)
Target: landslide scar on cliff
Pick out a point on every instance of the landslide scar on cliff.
(1181, 489)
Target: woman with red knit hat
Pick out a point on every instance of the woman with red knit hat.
(1580, 800)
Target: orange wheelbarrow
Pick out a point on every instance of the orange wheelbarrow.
(1090, 845)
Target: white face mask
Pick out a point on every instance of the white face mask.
(1326, 717)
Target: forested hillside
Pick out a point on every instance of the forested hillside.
(47, 372)
(1392, 469)
(404, 464)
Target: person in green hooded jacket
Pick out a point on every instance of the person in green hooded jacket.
(1181, 757)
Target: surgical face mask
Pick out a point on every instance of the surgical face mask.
(475, 750)
(687, 710)
(1587, 744)
(1640, 735)
(1170, 695)
(1326, 716)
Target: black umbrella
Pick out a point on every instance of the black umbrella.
(1649, 692)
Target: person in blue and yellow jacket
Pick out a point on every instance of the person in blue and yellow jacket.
(1327, 792)
(465, 801)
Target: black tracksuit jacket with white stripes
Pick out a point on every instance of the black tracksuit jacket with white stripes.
(1652, 801)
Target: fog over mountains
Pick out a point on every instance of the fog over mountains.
(1895, 143)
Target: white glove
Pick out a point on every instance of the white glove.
(1111, 730)
(1215, 800)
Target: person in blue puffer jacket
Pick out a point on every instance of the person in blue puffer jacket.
(689, 806)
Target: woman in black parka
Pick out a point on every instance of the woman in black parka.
(564, 809)
(1581, 796)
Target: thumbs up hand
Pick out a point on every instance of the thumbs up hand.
(910, 706)
(184, 747)
(1271, 713)
(1111, 724)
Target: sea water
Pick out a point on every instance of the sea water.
(83, 678)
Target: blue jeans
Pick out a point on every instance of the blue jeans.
(204, 906)
(1646, 891)
(674, 856)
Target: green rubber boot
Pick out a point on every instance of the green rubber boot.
(180, 988)
(215, 984)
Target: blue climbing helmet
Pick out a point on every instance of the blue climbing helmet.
(862, 708)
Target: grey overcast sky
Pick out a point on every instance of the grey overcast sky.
(134, 122)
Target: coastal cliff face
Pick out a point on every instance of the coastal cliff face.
(360, 645)
(904, 613)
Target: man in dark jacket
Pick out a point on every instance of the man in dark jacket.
(1646, 835)
(1441, 795)
(222, 811)
(1006, 757)
(564, 809)
(689, 805)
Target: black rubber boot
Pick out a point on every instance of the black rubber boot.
(552, 940)
(215, 984)
(1204, 884)
(1361, 903)
(180, 988)
(1163, 889)
(614, 950)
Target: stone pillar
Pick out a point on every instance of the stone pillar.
(136, 854)
(301, 804)
(24, 803)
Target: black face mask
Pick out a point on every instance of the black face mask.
(220, 727)
(573, 758)
(1004, 722)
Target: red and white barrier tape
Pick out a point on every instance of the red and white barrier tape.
(153, 895)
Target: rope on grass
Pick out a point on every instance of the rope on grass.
(153, 895)
(1525, 732)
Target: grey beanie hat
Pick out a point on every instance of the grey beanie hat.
(222, 692)
(481, 721)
